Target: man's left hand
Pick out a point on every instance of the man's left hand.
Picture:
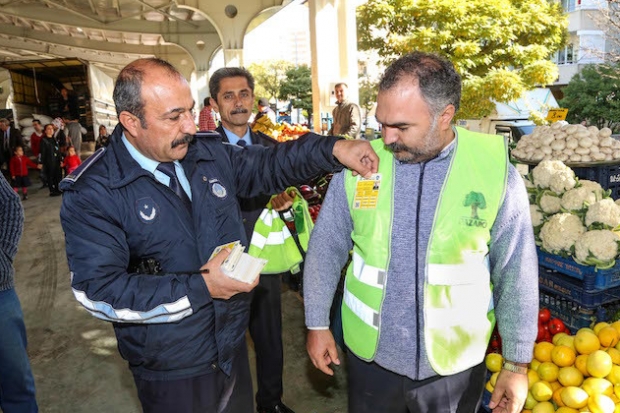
(357, 155)
(282, 202)
(510, 392)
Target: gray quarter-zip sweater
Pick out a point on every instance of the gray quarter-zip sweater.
(514, 265)
(11, 227)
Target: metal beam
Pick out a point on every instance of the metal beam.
(92, 7)
(70, 10)
(170, 16)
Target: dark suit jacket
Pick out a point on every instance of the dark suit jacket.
(251, 208)
(15, 139)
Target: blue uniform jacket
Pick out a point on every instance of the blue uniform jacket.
(114, 212)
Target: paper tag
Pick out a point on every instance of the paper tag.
(367, 192)
(228, 247)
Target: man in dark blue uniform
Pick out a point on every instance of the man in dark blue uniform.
(142, 218)
(266, 308)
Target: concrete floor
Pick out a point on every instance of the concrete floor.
(74, 358)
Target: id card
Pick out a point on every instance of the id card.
(228, 247)
(367, 192)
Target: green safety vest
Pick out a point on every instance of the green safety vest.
(272, 240)
(458, 302)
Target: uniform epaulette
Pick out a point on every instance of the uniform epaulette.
(208, 134)
(75, 175)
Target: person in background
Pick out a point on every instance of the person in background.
(51, 158)
(103, 139)
(265, 110)
(142, 220)
(427, 280)
(17, 385)
(74, 133)
(71, 161)
(69, 104)
(59, 134)
(9, 139)
(232, 91)
(205, 119)
(19, 171)
(347, 117)
(35, 147)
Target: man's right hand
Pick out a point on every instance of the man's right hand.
(219, 284)
(322, 350)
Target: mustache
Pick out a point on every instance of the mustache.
(397, 147)
(185, 139)
(239, 110)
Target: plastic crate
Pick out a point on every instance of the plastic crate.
(606, 175)
(575, 316)
(591, 279)
(572, 289)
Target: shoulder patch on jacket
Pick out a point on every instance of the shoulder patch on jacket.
(75, 175)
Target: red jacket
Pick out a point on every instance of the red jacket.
(35, 143)
(19, 165)
(72, 162)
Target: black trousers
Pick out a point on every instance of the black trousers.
(374, 389)
(266, 333)
(213, 392)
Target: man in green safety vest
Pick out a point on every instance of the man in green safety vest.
(442, 246)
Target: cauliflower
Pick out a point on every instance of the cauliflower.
(604, 214)
(560, 232)
(549, 202)
(545, 170)
(617, 202)
(536, 215)
(598, 248)
(591, 185)
(577, 199)
(562, 181)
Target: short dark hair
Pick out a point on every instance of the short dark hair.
(128, 87)
(226, 72)
(36, 121)
(206, 101)
(437, 79)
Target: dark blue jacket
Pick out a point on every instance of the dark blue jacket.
(115, 213)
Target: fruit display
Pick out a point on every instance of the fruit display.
(579, 373)
(279, 131)
(548, 326)
(572, 144)
(572, 217)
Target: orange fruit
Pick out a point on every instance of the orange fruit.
(580, 363)
(615, 355)
(600, 325)
(608, 336)
(616, 325)
(557, 397)
(586, 342)
(542, 351)
(599, 364)
(563, 356)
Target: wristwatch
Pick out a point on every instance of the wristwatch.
(515, 368)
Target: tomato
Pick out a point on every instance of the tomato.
(544, 315)
(541, 332)
(556, 326)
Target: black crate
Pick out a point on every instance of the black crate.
(606, 175)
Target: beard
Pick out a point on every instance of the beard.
(430, 147)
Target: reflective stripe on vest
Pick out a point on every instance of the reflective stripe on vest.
(458, 307)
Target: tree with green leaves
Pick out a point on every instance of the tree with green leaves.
(594, 96)
(501, 48)
(297, 87)
(475, 200)
(268, 77)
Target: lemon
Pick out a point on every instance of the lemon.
(530, 401)
(617, 390)
(564, 409)
(616, 325)
(544, 407)
(493, 378)
(599, 403)
(568, 341)
(595, 385)
(548, 371)
(534, 364)
(570, 376)
(532, 377)
(615, 355)
(494, 362)
(608, 336)
(555, 385)
(574, 397)
(599, 364)
(489, 387)
(542, 351)
(614, 375)
(586, 342)
(541, 391)
(563, 356)
(555, 338)
(599, 326)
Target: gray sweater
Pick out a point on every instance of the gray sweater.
(11, 227)
(514, 266)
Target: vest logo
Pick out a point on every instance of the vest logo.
(476, 201)
(147, 210)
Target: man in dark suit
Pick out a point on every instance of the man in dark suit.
(10, 138)
(232, 95)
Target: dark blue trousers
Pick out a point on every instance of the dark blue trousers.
(374, 389)
(213, 392)
(17, 393)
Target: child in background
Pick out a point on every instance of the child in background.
(72, 160)
(19, 171)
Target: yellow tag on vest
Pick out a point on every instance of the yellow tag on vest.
(367, 192)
